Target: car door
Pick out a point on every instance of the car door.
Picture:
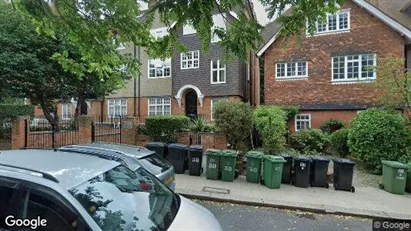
(34, 202)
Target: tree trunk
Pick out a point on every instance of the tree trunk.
(47, 110)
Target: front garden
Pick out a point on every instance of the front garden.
(374, 135)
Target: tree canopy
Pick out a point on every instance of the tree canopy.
(27, 69)
(92, 26)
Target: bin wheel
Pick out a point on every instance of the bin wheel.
(353, 189)
(381, 186)
(335, 187)
(327, 185)
(311, 184)
(291, 182)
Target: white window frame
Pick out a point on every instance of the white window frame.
(192, 60)
(295, 63)
(337, 30)
(189, 29)
(155, 105)
(218, 69)
(218, 22)
(159, 32)
(165, 61)
(360, 78)
(213, 102)
(302, 120)
(116, 103)
(64, 111)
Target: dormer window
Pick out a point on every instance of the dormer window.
(339, 22)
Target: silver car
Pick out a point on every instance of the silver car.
(131, 156)
(50, 190)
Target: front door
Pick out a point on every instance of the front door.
(191, 104)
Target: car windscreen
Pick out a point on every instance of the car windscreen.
(121, 199)
(155, 164)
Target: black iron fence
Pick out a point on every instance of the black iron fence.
(5, 134)
(40, 133)
(106, 128)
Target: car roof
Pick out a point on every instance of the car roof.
(136, 151)
(69, 170)
(105, 153)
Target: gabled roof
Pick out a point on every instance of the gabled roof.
(388, 11)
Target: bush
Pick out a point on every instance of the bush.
(210, 128)
(235, 120)
(310, 140)
(141, 129)
(290, 112)
(164, 128)
(339, 141)
(378, 134)
(198, 125)
(270, 122)
(12, 111)
(332, 125)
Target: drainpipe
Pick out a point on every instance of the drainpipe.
(135, 87)
(139, 84)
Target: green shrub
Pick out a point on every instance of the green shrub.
(164, 128)
(198, 124)
(332, 125)
(210, 128)
(270, 122)
(378, 134)
(235, 120)
(310, 140)
(13, 110)
(141, 129)
(290, 112)
(339, 141)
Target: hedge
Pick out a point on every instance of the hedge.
(11, 111)
(164, 128)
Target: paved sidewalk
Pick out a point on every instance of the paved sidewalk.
(366, 201)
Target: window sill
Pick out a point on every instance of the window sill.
(329, 33)
(189, 68)
(290, 79)
(165, 77)
(216, 83)
(352, 82)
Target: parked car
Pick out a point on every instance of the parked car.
(131, 156)
(82, 192)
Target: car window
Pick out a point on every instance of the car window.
(6, 205)
(40, 206)
(121, 199)
(155, 163)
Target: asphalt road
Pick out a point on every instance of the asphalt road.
(241, 217)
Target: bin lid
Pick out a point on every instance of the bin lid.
(285, 155)
(156, 144)
(178, 146)
(195, 148)
(254, 154)
(213, 152)
(275, 159)
(394, 164)
(303, 158)
(228, 152)
(343, 161)
(320, 158)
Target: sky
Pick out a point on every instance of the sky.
(260, 12)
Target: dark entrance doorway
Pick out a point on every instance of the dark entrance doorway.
(191, 104)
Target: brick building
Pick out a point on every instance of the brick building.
(185, 84)
(328, 75)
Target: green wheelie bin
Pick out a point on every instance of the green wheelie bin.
(273, 170)
(394, 176)
(254, 166)
(228, 160)
(213, 164)
(408, 184)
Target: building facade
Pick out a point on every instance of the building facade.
(330, 74)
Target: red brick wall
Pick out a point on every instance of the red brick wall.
(208, 140)
(368, 34)
(319, 117)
